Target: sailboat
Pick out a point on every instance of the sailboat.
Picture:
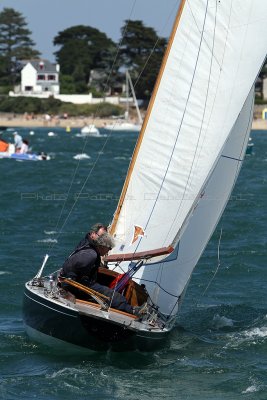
(89, 130)
(125, 124)
(184, 167)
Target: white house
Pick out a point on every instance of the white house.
(39, 77)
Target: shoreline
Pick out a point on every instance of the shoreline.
(16, 121)
(77, 122)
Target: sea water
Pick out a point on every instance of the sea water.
(218, 349)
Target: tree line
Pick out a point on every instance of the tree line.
(88, 59)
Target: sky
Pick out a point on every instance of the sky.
(46, 18)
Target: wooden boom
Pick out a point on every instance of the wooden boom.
(139, 255)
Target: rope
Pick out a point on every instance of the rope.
(84, 288)
(218, 266)
(85, 143)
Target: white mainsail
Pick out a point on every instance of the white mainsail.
(212, 62)
(173, 274)
(215, 52)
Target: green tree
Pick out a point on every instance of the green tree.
(142, 52)
(82, 49)
(15, 45)
(67, 84)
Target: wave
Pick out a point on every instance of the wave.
(222, 322)
(251, 389)
(47, 241)
(82, 156)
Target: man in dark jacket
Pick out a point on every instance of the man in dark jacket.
(82, 266)
(95, 231)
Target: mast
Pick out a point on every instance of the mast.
(127, 96)
(143, 129)
(134, 97)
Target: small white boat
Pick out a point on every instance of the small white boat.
(26, 157)
(10, 153)
(125, 124)
(90, 130)
(121, 125)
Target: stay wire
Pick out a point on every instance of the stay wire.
(84, 146)
(155, 45)
(159, 190)
(218, 265)
(212, 278)
(194, 160)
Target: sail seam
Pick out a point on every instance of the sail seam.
(233, 158)
(179, 129)
(195, 159)
(151, 103)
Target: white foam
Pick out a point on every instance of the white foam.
(251, 389)
(81, 156)
(221, 322)
(248, 337)
(256, 332)
(47, 241)
(65, 371)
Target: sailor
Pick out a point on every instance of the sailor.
(17, 142)
(24, 147)
(95, 231)
(82, 266)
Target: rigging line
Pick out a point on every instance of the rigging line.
(195, 159)
(51, 245)
(224, 50)
(111, 300)
(146, 120)
(175, 304)
(218, 250)
(233, 158)
(204, 40)
(214, 57)
(225, 41)
(119, 45)
(244, 143)
(179, 129)
(157, 284)
(247, 129)
(218, 265)
(155, 45)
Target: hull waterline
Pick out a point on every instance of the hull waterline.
(50, 321)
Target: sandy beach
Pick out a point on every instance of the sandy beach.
(10, 121)
(17, 120)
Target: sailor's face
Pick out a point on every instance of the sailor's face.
(95, 235)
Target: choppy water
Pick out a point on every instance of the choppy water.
(218, 349)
